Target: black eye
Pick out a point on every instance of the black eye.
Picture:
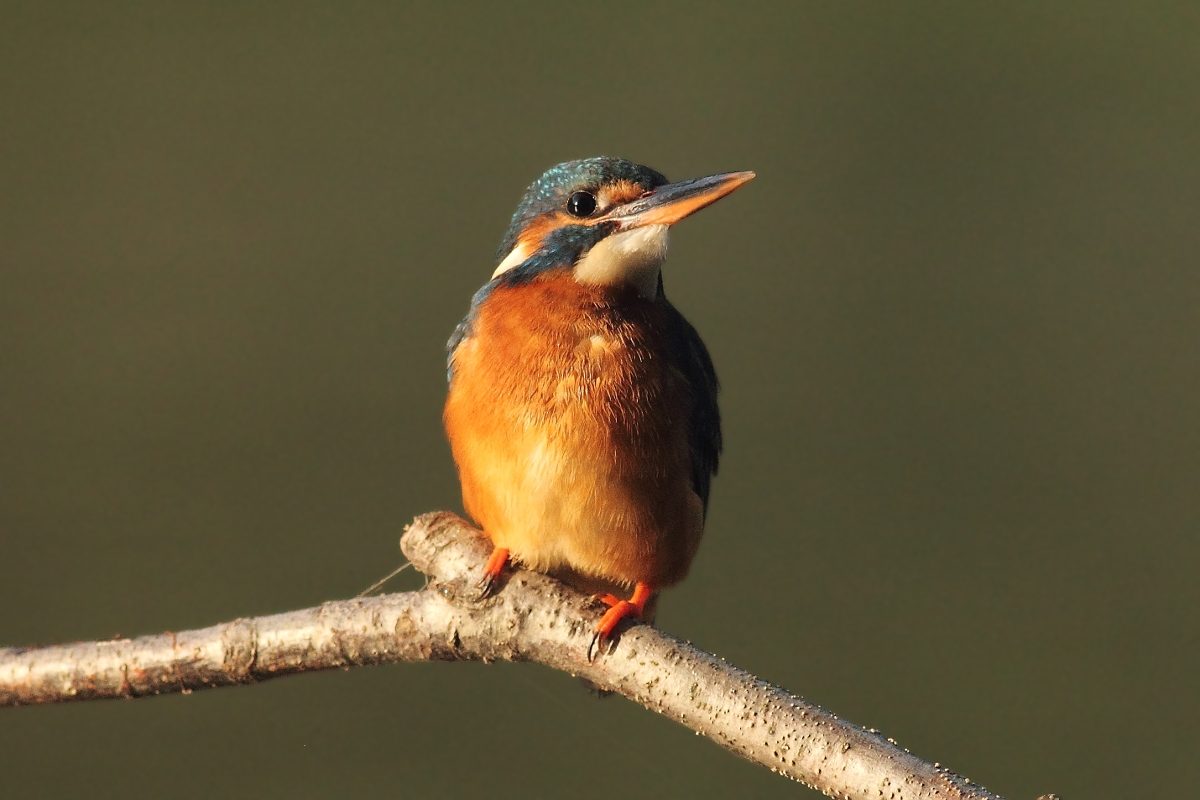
(581, 204)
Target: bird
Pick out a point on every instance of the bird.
(582, 406)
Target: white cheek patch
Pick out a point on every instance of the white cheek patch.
(633, 257)
(514, 259)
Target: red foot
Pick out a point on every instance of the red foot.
(633, 607)
(492, 570)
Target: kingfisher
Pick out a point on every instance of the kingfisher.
(582, 407)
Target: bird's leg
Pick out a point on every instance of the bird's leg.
(491, 571)
(620, 609)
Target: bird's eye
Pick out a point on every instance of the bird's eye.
(581, 204)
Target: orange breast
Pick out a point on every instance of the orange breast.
(568, 422)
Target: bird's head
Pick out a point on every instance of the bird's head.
(604, 218)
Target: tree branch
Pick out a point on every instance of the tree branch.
(533, 618)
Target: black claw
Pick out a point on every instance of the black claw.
(486, 585)
(602, 645)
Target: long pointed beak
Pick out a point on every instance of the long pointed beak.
(671, 203)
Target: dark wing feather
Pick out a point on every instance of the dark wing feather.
(704, 428)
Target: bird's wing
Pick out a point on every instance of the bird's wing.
(704, 427)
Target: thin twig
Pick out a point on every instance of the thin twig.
(532, 618)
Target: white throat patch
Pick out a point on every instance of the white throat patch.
(632, 257)
(513, 259)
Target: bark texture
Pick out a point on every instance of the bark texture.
(532, 618)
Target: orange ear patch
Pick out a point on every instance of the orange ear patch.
(537, 230)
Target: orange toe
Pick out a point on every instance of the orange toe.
(633, 607)
(614, 615)
(491, 570)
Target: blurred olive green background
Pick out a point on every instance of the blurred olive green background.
(956, 318)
